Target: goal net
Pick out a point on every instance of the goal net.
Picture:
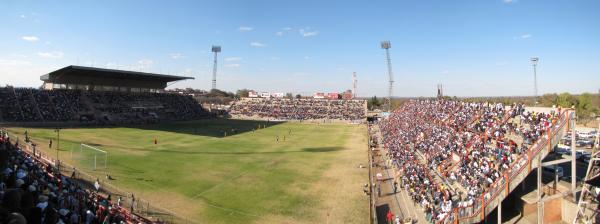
(90, 157)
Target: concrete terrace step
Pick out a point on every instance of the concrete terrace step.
(434, 173)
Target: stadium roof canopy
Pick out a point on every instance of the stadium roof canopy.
(90, 78)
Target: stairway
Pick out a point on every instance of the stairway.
(35, 104)
(513, 176)
(18, 104)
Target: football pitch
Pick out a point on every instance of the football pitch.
(231, 171)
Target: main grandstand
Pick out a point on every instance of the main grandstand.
(98, 96)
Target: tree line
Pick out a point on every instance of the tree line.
(586, 104)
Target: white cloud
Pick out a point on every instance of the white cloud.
(257, 44)
(307, 57)
(145, 62)
(30, 38)
(525, 36)
(245, 28)
(232, 65)
(283, 31)
(188, 71)
(445, 72)
(14, 63)
(23, 16)
(308, 33)
(176, 56)
(52, 54)
(23, 73)
(233, 59)
(509, 1)
(111, 65)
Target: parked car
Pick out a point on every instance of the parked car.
(587, 143)
(568, 179)
(561, 149)
(579, 154)
(587, 158)
(550, 170)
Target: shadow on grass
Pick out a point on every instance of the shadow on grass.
(304, 150)
(322, 149)
(217, 128)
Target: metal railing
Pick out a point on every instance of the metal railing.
(135, 205)
(486, 203)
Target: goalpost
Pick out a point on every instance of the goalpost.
(97, 158)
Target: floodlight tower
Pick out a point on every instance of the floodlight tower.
(386, 45)
(216, 50)
(354, 82)
(534, 62)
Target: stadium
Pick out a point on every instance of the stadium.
(288, 135)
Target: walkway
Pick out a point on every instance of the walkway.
(400, 202)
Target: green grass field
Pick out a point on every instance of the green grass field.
(244, 177)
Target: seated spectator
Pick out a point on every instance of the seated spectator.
(300, 109)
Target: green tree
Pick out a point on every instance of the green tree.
(565, 100)
(242, 93)
(584, 105)
(220, 93)
(548, 100)
(373, 103)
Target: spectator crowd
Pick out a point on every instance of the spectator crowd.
(32, 191)
(449, 153)
(96, 107)
(300, 109)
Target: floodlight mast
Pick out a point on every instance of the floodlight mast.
(216, 50)
(534, 62)
(386, 45)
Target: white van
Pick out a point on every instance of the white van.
(586, 134)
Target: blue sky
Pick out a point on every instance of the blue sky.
(472, 47)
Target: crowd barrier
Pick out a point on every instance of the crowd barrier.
(132, 205)
(487, 202)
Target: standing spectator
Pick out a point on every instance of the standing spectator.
(97, 185)
(390, 217)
